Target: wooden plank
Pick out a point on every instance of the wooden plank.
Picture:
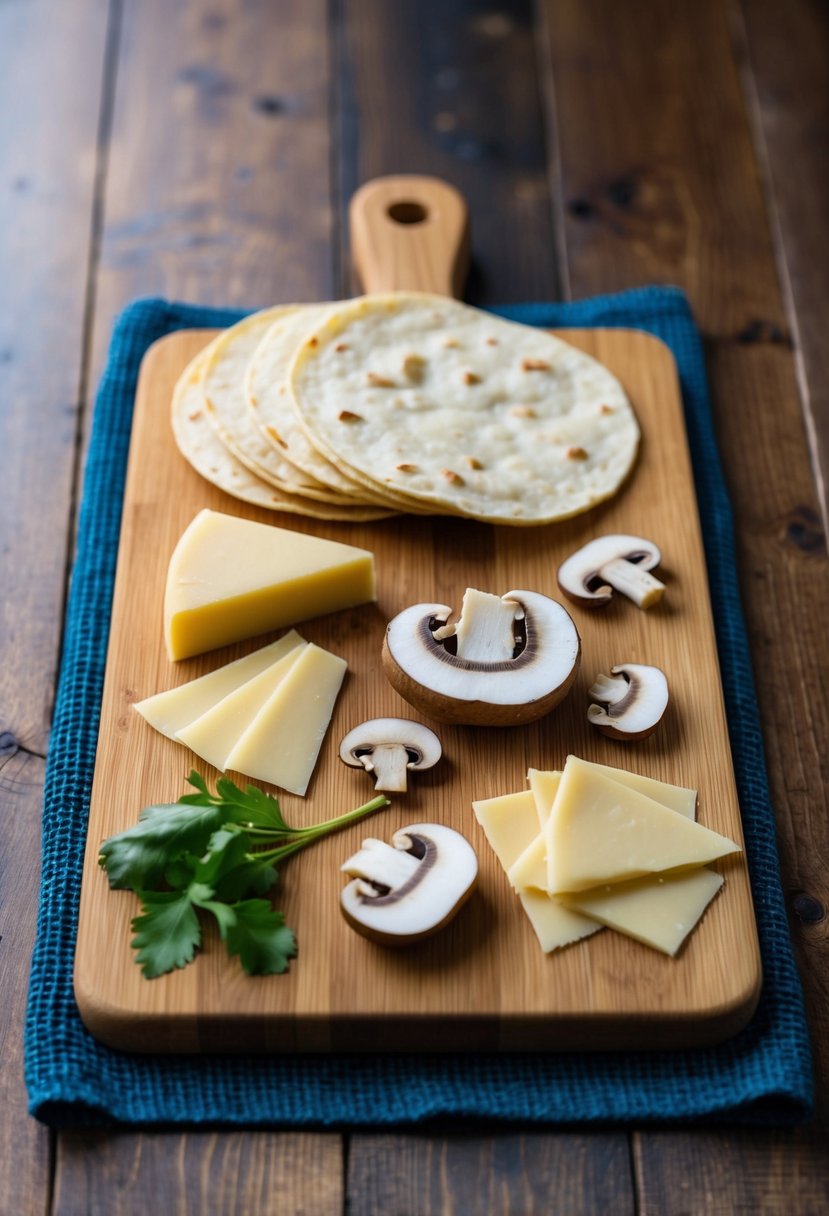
(495, 1175)
(733, 1174)
(660, 182)
(449, 88)
(787, 64)
(198, 1174)
(48, 155)
(217, 191)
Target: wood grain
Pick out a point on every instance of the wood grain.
(484, 984)
(235, 1173)
(51, 68)
(786, 68)
(496, 1175)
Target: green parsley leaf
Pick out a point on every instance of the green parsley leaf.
(139, 857)
(167, 933)
(260, 937)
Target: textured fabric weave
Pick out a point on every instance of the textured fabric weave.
(761, 1076)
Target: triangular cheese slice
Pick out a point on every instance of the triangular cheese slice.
(659, 911)
(169, 712)
(231, 578)
(283, 741)
(554, 924)
(601, 832)
(509, 822)
(214, 735)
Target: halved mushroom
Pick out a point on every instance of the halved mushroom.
(389, 748)
(632, 700)
(620, 562)
(508, 659)
(404, 893)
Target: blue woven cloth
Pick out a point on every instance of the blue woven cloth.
(762, 1076)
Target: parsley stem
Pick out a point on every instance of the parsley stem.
(306, 836)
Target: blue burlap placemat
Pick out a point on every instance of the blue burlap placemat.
(763, 1076)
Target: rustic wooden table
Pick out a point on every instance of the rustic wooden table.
(206, 149)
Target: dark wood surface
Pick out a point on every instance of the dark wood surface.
(205, 149)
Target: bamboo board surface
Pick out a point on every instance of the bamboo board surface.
(483, 983)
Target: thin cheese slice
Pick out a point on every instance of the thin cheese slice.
(231, 578)
(283, 741)
(600, 832)
(510, 824)
(169, 712)
(214, 735)
(676, 797)
(660, 912)
(544, 787)
(529, 872)
(554, 924)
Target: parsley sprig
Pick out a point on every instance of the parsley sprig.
(215, 854)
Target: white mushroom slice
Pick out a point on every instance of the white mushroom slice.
(622, 563)
(632, 699)
(507, 660)
(402, 894)
(390, 748)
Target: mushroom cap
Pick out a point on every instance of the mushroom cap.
(502, 693)
(632, 704)
(444, 879)
(420, 742)
(583, 568)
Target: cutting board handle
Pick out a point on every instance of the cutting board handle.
(410, 233)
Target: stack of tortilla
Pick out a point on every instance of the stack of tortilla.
(404, 402)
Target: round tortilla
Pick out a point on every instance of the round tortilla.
(200, 445)
(417, 395)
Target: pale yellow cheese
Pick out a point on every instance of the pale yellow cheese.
(529, 871)
(544, 787)
(231, 578)
(509, 824)
(676, 797)
(659, 911)
(169, 712)
(214, 735)
(283, 741)
(600, 832)
(554, 924)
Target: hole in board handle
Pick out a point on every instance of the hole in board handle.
(407, 213)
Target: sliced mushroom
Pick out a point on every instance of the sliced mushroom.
(389, 748)
(404, 893)
(508, 659)
(632, 700)
(612, 562)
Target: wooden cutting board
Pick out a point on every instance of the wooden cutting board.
(483, 983)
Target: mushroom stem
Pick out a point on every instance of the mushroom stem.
(388, 762)
(485, 630)
(633, 581)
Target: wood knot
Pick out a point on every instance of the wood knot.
(621, 192)
(803, 531)
(760, 332)
(8, 744)
(807, 909)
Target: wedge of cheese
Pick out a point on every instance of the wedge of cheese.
(231, 578)
(214, 735)
(510, 824)
(675, 797)
(169, 712)
(658, 911)
(283, 741)
(600, 831)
